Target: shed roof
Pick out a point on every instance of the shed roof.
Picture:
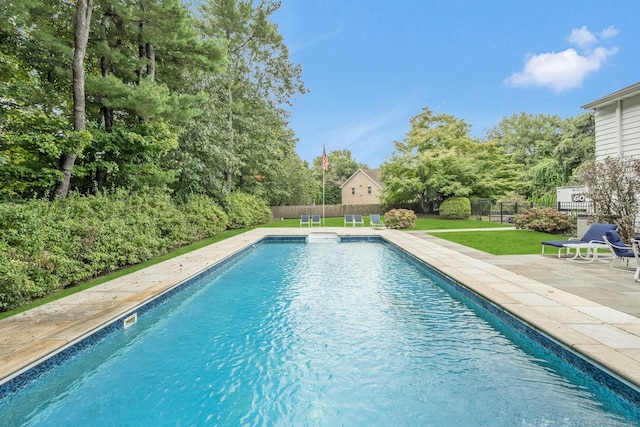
(627, 92)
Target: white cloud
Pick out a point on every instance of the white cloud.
(566, 70)
(609, 32)
(582, 37)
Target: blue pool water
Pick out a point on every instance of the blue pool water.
(317, 334)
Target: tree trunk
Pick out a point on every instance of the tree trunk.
(231, 149)
(81, 38)
(151, 65)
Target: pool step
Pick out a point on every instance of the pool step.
(323, 238)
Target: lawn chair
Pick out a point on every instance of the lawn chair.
(622, 253)
(315, 220)
(375, 221)
(305, 220)
(635, 244)
(593, 235)
(357, 219)
(348, 220)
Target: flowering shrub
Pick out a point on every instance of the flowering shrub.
(400, 218)
(547, 220)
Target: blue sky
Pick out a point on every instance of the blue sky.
(371, 65)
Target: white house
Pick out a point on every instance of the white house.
(617, 118)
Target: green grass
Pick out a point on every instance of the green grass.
(508, 242)
(421, 223)
(452, 224)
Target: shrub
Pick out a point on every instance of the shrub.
(547, 220)
(456, 208)
(400, 218)
(46, 246)
(204, 217)
(245, 210)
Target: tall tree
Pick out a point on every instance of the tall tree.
(140, 101)
(546, 148)
(35, 65)
(257, 80)
(439, 159)
(81, 38)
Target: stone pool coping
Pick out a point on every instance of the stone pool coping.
(607, 336)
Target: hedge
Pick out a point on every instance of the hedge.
(47, 246)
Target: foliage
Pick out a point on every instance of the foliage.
(546, 148)
(512, 198)
(205, 217)
(342, 166)
(175, 97)
(46, 246)
(245, 210)
(456, 208)
(439, 159)
(247, 95)
(289, 183)
(613, 185)
(512, 203)
(400, 218)
(547, 220)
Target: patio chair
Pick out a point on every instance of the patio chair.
(622, 253)
(305, 220)
(315, 220)
(593, 235)
(357, 219)
(375, 221)
(635, 244)
(348, 220)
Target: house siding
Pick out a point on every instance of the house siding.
(359, 185)
(606, 132)
(618, 133)
(631, 127)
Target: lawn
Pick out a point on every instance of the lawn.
(508, 242)
(421, 223)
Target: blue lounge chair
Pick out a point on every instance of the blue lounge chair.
(357, 219)
(375, 221)
(635, 244)
(348, 220)
(315, 220)
(593, 235)
(622, 253)
(305, 220)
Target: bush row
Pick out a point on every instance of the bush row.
(46, 246)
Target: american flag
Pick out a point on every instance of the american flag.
(325, 159)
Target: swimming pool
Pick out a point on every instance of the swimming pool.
(324, 334)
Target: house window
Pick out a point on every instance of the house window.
(369, 189)
(353, 190)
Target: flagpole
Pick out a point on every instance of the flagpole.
(325, 165)
(323, 197)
